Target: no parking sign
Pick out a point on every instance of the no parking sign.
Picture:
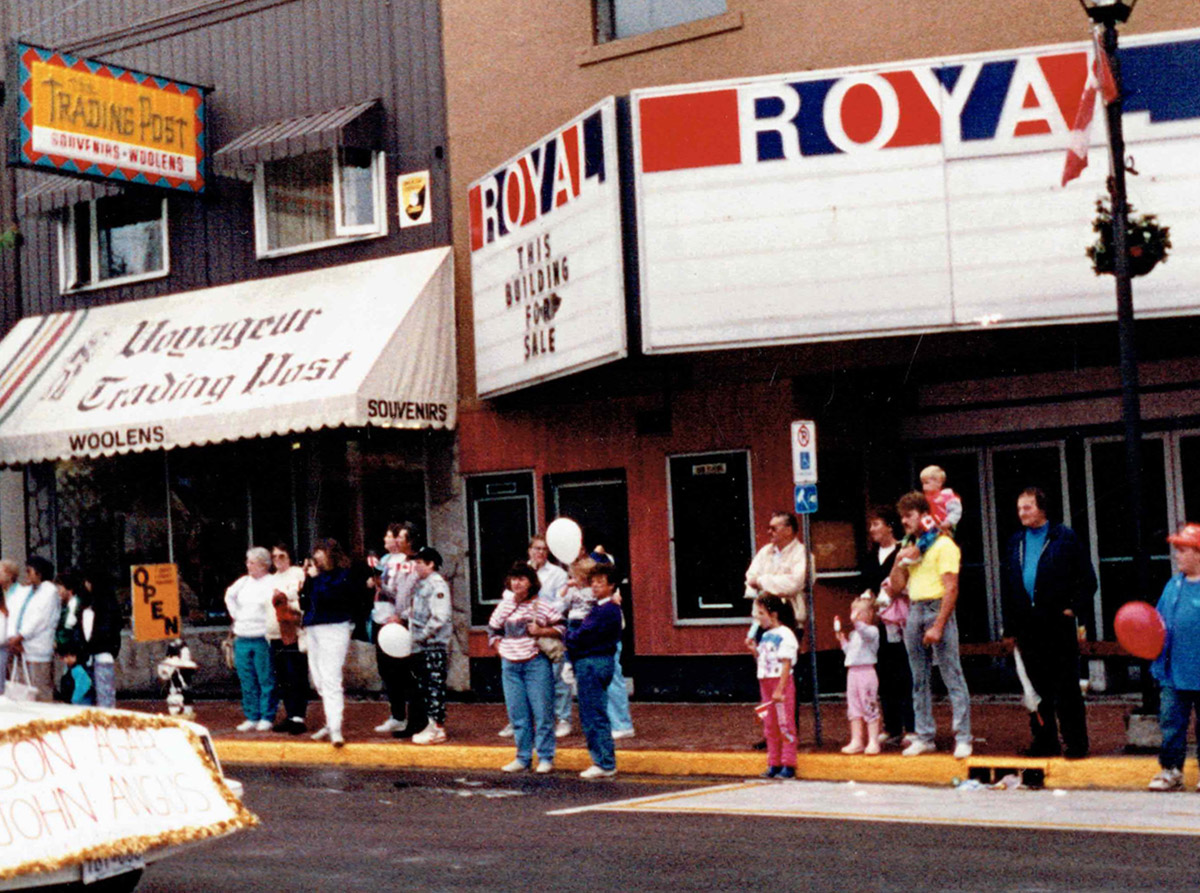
(804, 452)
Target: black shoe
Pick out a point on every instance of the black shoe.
(772, 771)
(787, 772)
(284, 725)
(1041, 750)
(295, 727)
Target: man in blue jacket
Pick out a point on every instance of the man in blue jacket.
(1048, 582)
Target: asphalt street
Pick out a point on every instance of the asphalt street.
(350, 830)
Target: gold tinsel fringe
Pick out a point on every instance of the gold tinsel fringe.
(243, 818)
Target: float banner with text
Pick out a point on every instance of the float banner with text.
(154, 589)
(97, 784)
(89, 118)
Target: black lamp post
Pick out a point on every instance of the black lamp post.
(1107, 14)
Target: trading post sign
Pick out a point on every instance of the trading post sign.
(87, 118)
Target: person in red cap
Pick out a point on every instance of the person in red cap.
(1177, 668)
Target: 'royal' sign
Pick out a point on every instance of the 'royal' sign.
(546, 268)
(80, 116)
(910, 197)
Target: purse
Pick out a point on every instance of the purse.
(227, 651)
(17, 688)
(552, 647)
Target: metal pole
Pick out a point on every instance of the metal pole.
(812, 634)
(1131, 408)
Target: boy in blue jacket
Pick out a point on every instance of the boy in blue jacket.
(591, 647)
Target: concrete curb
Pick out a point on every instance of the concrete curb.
(1101, 773)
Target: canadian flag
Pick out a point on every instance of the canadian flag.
(1100, 79)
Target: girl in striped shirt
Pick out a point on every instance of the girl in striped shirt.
(526, 674)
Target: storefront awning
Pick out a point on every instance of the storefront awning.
(355, 126)
(370, 343)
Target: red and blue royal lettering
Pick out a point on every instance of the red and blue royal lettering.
(552, 174)
(966, 106)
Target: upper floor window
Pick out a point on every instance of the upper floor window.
(625, 18)
(320, 198)
(113, 240)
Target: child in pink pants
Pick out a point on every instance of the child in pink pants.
(862, 684)
(776, 652)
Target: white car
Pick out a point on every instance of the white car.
(89, 797)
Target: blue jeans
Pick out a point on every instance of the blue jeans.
(1175, 706)
(529, 698)
(593, 675)
(618, 698)
(252, 658)
(562, 694)
(104, 676)
(921, 616)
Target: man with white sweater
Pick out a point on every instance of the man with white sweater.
(33, 611)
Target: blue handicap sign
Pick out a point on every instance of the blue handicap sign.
(806, 499)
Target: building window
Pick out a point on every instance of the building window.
(112, 240)
(500, 522)
(625, 18)
(321, 198)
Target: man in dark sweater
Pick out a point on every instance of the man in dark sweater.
(591, 647)
(1048, 580)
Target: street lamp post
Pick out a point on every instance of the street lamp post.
(1107, 14)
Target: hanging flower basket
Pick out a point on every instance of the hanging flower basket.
(1147, 242)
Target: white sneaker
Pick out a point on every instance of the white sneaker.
(597, 772)
(962, 750)
(246, 726)
(506, 732)
(1167, 780)
(919, 747)
(391, 724)
(622, 733)
(543, 767)
(514, 766)
(263, 725)
(562, 728)
(336, 739)
(431, 734)
(321, 734)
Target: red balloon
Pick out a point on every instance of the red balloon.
(1140, 630)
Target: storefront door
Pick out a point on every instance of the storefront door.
(712, 537)
(500, 513)
(598, 502)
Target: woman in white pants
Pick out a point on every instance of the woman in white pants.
(327, 600)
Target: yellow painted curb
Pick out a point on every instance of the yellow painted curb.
(1102, 773)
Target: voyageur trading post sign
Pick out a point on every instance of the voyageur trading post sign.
(88, 118)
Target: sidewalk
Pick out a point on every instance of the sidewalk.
(702, 740)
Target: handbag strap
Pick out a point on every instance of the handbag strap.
(19, 664)
(24, 605)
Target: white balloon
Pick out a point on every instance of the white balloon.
(565, 539)
(395, 640)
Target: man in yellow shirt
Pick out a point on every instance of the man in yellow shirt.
(932, 584)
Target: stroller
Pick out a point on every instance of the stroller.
(176, 671)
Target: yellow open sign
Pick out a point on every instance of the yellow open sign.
(154, 589)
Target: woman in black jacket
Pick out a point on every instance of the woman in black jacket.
(329, 599)
(895, 678)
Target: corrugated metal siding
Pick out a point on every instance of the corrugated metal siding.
(265, 60)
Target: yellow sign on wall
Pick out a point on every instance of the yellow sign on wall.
(81, 116)
(154, 589)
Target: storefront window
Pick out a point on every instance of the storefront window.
(202, 507)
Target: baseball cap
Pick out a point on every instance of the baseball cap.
(1188, 535)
